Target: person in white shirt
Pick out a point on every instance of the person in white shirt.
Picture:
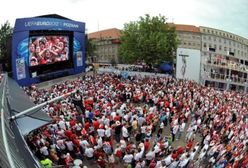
(128, 158)
(107, 132)
(101, 132)
(181, 129)
(139, 154)
(99, 142)
(192, 154)
(157, 148)
(174, 164)
(89, 152)
(149, 156)
(123, 144)
(62, 124)
(125, 133)
(69, 145)
(61, 144)
(168, 160)
(202, 154)
(184, 161)
(44, 150)
(83, 143)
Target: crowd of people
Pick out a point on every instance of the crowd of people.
(48, 49)
(134, 122)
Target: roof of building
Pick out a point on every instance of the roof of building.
(187, 28)
(56, 16)
(113, 33)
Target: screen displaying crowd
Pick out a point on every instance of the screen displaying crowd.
(141, 122)
(48, 49)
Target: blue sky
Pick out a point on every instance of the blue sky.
(228, 15)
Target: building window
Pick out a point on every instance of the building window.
(220, 48)
(230, 42)
(204, 37)
(219, 40)
(214, 38)
(225, 48)
(224, 41)
(215, 46)
(209, 37)
(204, 45)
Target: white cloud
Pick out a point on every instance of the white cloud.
(228, 15)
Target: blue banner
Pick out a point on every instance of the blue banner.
(48, 24)
(20, 68)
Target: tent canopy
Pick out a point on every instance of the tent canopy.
(18, 102)
(166, 67)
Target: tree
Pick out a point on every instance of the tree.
(150, 39)
(90, 49)
(5, 33)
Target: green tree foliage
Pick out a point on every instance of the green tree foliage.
(90, 48)
(5, 32)
(150, 39)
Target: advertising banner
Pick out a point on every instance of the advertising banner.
(79, 58)
(20, 68)
(188, 64)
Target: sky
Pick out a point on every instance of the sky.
(228, 15)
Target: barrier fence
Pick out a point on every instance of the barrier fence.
(11, 157)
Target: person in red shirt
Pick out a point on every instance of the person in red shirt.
(68, 133)
(189, 145)
(117, 117)
(98, 153)
(87, 125)
(147, 145)
(244, 161)
(72, 123)
(101, 162)
(152, 164)
(180, 150)
(96, 124)
(174, 155)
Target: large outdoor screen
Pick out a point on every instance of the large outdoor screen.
(45, 50)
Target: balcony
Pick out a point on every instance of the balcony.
(227, 65)
(232, 79)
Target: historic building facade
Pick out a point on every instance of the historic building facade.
(107, 45)
(223, 56)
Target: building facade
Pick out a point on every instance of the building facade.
(107, 44)
(223, 55)
(224, 60)
(188, 53)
